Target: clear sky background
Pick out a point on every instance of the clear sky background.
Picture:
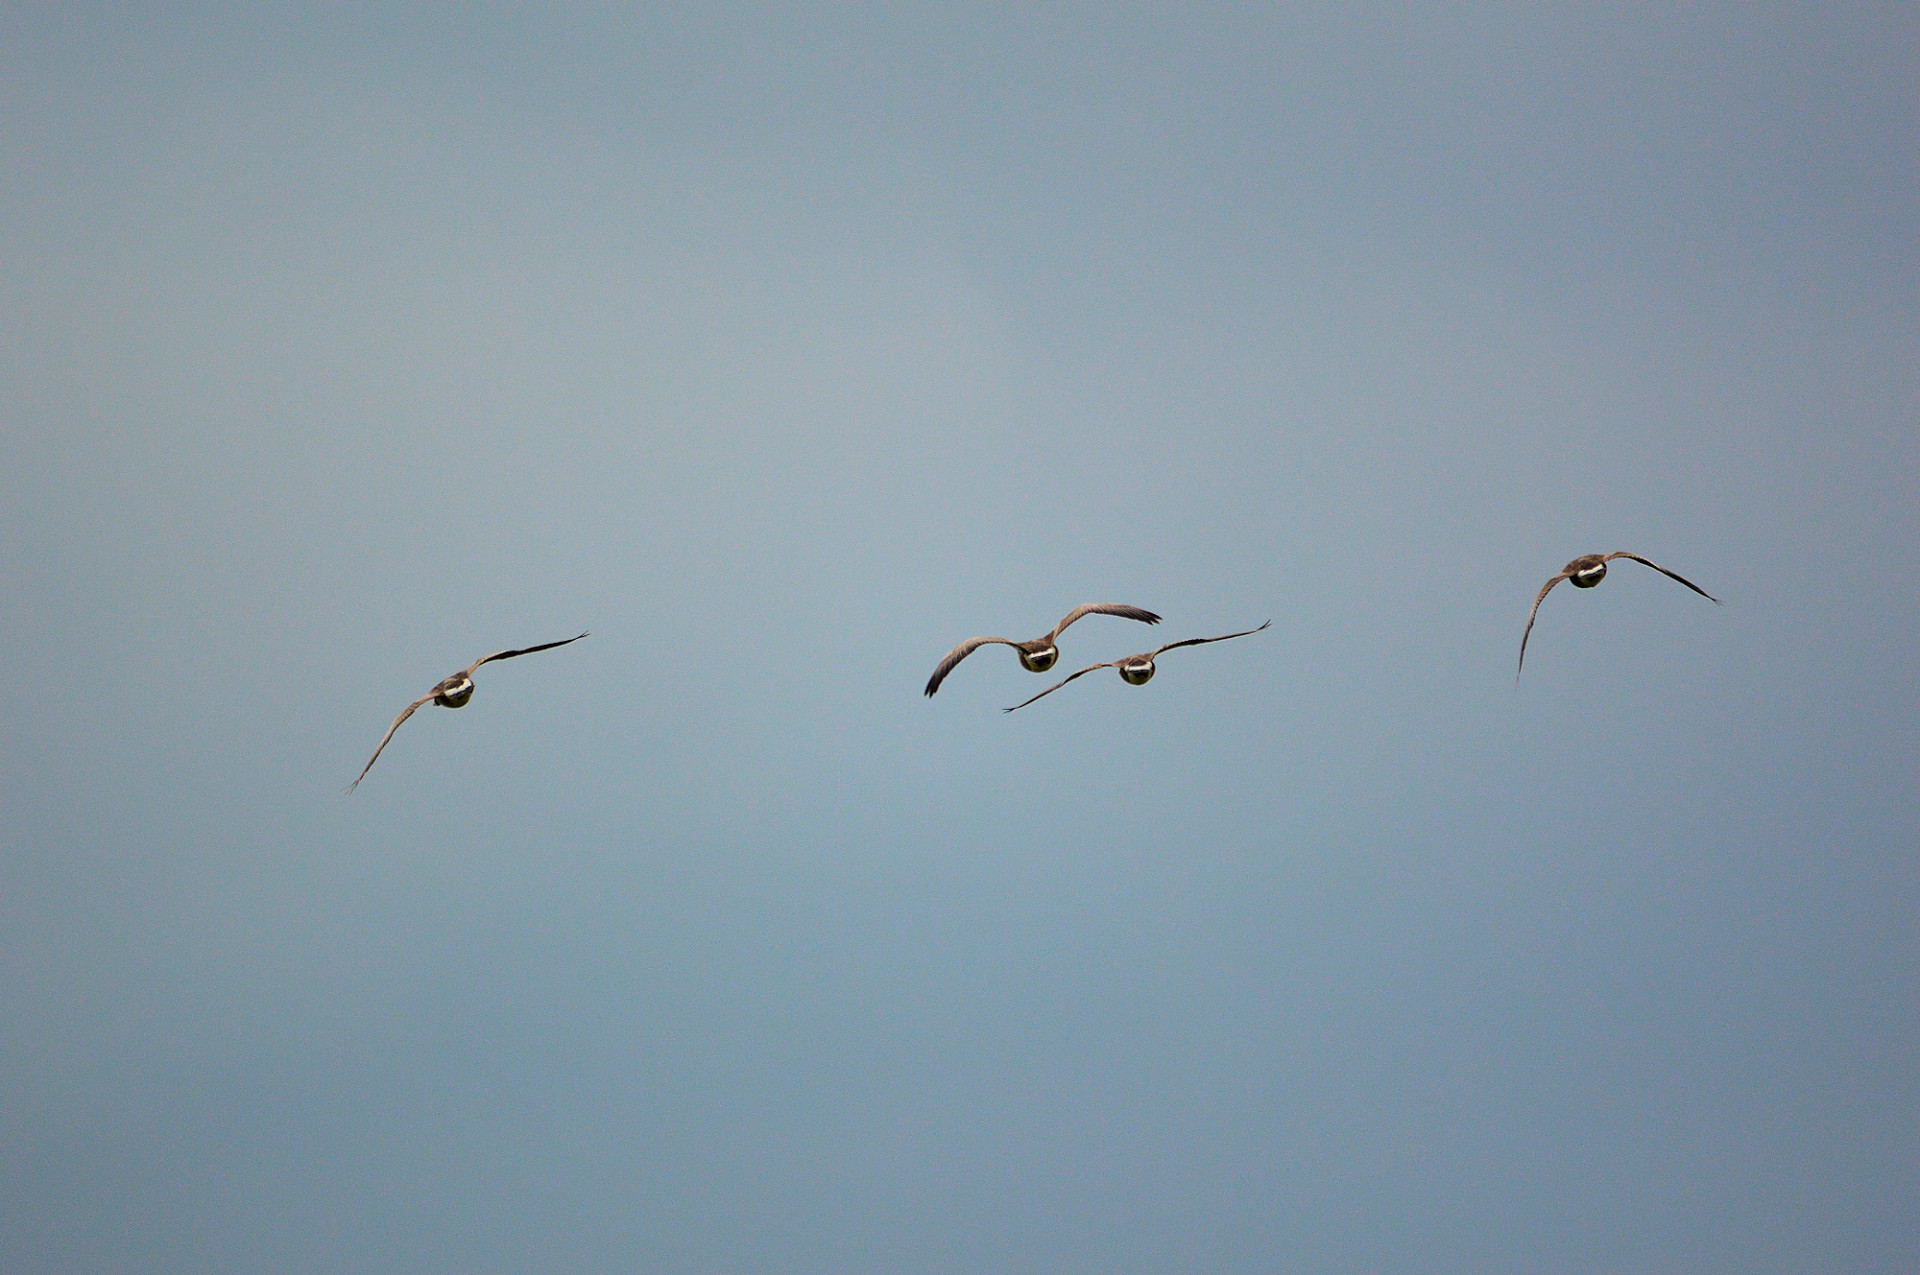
(783, 348)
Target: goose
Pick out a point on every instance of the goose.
(453, 692)
(1136, 670)
(1040, 654)
(1586, 571)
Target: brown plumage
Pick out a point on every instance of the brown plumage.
(1038, 655)
(1135, 670)
(453, 692)
(1586, 571)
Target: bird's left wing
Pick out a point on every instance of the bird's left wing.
(525, 650)
(1645, 562)
(1103, 608)
(1222, 638)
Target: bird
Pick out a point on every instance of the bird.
(1586, 571)
(1135, 670)
(1040, 654)
(453, 692)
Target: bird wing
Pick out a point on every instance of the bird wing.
(1103, 608)
(1663, 571)
(405, 713)
(1537, 599)
(1063, 681)
(1200, 641)
(959, 653)
(525, 650)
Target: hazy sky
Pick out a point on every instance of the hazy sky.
(784, 347)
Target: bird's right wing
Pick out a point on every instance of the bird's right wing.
(405, 713)
(1063, 681)
(957, 654)
(1537, 599)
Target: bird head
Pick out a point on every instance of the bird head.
(454, 692)
(1040, 658)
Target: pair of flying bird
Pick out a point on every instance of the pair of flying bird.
(1040, 654)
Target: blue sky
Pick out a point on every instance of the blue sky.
(783, 347)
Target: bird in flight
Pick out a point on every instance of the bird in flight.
(1135, 670)
(1038, 655)
(1586, 571)
(453, 692)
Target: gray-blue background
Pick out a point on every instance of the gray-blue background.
(783, 348)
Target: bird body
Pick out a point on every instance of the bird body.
(1037, 657)
(1038, 654)
(453, 691)
(1586, 571)
(1136, 670)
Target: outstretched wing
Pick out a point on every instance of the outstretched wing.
(1201, 641)
(1103, 608)
(1063, 681)
(1663, 571)
(959, 653)
(1537, 598)
(525, 650)
(405, 713)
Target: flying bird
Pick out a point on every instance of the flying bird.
(454, 692)
(1135, 670)
(1586, 571)
(1038, 655)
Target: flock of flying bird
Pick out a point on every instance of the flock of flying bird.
(1040, 654)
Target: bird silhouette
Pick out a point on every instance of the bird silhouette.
(453, 692)
(1586, 571)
